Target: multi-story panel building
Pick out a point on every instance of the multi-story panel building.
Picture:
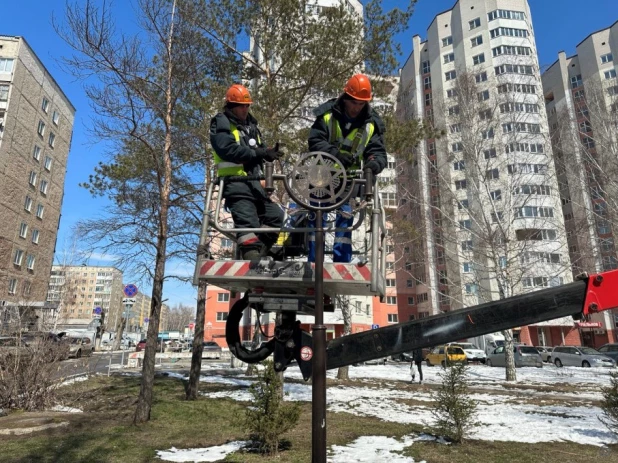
(80, 290)
(36, 124)
(581, 98)
(484, 196)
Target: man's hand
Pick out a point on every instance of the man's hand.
(345, 159)
(374, 166)
(269, 154)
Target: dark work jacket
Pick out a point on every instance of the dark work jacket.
(417, 356)
(225, 145)
(319, 139)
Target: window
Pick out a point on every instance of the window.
(390, 283)
(576, 81)
(451, 93)
(23, 230)
(12, 281)
(490, 153)
(421, 298)
(391, 300)
(456, 147)
(459, 165)
(33, 177)
(579, 95)
(426, 67)
(393, 318)
(30, 262)
(390, 266)
(52, 139)
(474, 23)
(466, 245)
(467, 267)
(427, 83)
(495, 195)
(460, 184)
(28, 204)
(497, 217)
(36, 152)
(39, 211)
(447, 41)
(471, 288)
(463, 204)
(6, 65)
(455, 128)
(506, 14)
(55, 117)
(492, 174)
(43, 187)
(465, 224)
(514, 69)
(48, 163)
(478, 59)
(389, 199)
(410, 300)
(508, 32)
(409, 283)
(511, 50)
(35, 236)
(223, 297)
(45, 105)
(222, 316)
(449, 58)
(4, 92)
(486, 114)
(18, 257)
(588, 142)
(450, 75)
(611, 74)
(431, 148)
(41, 128)
(482, 77)
(487, 134)
(475, 41)
(607, 58)
(428, 99)
(453, 110)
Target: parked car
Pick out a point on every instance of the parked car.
(56, 345)
(525, 356)
(473, 353)
(545, 352)
(579, 356)
(445, 355)
(79, 347)
(211, 350)
(140, 346)
(611, 350)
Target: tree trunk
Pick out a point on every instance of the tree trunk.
(119, 332)
(198, 343)
(346, 311)
(511, 374)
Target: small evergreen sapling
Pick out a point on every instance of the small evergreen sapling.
(454, 411)
(269, 417)
(609, 404)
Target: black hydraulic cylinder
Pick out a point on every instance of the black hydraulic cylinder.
(458, 325)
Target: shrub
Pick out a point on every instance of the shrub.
(609, 404)
(269, 417)
(454, 411)
(27, 373)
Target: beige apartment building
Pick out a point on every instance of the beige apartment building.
(581, 98)
(484, 197)
(80, 291)
(36, 124)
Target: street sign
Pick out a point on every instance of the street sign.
(375, 327)
(97, 310)
(130, 290)
(128, 300)
(96, 315)
(146, 320)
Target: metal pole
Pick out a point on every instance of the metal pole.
(318, 390)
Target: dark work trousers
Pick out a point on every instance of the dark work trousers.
(255, 213)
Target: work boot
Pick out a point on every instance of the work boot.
(264, 250)
(251, 254)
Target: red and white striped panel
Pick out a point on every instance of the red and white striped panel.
(240, 268)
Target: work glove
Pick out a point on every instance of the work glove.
(374, 166)
(345, 159)
(269, 154)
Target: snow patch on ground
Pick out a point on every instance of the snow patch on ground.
(63, 409)
(216, 453)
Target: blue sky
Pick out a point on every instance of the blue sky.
(559, 25)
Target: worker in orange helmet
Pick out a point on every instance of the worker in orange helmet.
(348, 128)
(239, 151)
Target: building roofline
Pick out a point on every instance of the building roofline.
(19, 37)
(596, 32)
(441, 13)
(410, 55)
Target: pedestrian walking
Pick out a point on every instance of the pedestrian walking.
(417, 361)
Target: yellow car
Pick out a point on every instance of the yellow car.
(445, 355)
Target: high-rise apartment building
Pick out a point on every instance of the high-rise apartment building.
(79, 291)
(581, 98)
(36, 124)
(483, 197)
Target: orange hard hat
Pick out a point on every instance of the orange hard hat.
(238, 94)
(358, 87)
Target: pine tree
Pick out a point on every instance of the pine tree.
(609, 404)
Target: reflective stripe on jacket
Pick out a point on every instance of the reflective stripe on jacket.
(354, 143)
(226, 168)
